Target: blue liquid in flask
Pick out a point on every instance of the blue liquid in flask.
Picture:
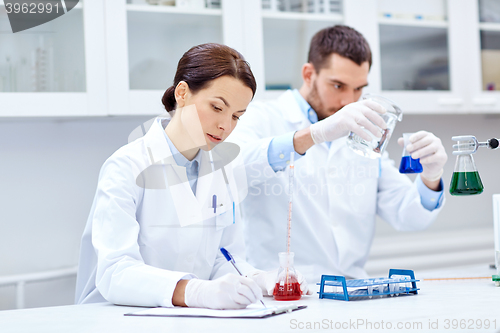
(409, 165)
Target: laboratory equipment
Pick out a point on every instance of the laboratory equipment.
(496, 232)
(465, 179)
(375, 147)
(408, 164)
(399, 282)
(287, 285)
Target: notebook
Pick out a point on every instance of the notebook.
(252, 311)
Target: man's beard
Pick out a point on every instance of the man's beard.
(315, 102)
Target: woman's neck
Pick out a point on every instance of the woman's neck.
(181, 139)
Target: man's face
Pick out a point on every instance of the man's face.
(339, 83)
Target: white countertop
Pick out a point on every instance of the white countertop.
(470, 302)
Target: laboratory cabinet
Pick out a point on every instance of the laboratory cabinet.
(54, 69)
(429, 56)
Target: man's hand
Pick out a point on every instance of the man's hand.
(433, 157)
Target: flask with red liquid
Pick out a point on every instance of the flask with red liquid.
(287, 286)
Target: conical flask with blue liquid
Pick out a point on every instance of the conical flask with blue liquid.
(408, 164)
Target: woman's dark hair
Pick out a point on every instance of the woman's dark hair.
(340, 39)
(206, 62)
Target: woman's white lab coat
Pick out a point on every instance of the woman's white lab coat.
(147, 230)
(337, 196)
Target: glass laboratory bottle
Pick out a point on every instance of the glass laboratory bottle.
(408, 164)
(465, 179)
(287, 286)
(375, 147)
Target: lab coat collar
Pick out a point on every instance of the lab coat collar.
(156, 143)
(160, 153)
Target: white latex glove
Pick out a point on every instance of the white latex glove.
(267, 281)
(350, 118)
(227, 292)
(430, 150)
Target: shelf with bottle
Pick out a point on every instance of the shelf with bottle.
(173, 9)
(421, 13)
(415, 22)
(200, 7)
(314, 10)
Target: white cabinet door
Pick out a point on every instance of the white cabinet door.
(144, 45)
(412, 52)
(486, 56)
(287, 29)
(54, 69)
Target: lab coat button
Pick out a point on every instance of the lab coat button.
(282, 155)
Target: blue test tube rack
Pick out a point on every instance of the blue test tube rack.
(369, 288)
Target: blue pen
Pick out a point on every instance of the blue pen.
(230, 258)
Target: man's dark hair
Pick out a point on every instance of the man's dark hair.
(340, 39)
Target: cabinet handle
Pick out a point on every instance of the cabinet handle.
(484, 101)
(450, 101)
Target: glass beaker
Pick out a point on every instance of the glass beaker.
(465, 179)
(408, 164)
(375, 147)
(287, 286)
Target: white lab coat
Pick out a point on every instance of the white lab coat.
(337, 195)
(143, 236)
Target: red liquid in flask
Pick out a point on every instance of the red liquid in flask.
(287, 291)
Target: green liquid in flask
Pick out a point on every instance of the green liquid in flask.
(466, 183)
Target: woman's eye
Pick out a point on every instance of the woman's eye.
(236, 117)
(216, 108)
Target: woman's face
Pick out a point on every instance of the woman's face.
(219, 106)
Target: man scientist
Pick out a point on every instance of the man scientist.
(337, 193)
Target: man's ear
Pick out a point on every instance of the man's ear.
(308, 72)
(181, 92)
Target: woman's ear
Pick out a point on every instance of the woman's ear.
(181, 93)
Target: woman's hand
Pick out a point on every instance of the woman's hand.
(228, 292)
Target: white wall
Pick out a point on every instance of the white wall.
(48, 175)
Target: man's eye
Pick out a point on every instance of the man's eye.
(337, 86)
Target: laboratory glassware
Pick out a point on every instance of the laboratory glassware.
(408, 164)
(290, 197)
(375, 147)
(287, 286)
(468, 144)
(496, 231)
(399, 282)
(465, 179)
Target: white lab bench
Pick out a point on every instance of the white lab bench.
(455, 305)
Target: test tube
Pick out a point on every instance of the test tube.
(369, 287)
(496, 231)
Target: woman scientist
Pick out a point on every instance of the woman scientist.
(164, 207)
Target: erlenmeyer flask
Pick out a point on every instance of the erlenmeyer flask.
(287, 287)
(465, 179)
(408, 164)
